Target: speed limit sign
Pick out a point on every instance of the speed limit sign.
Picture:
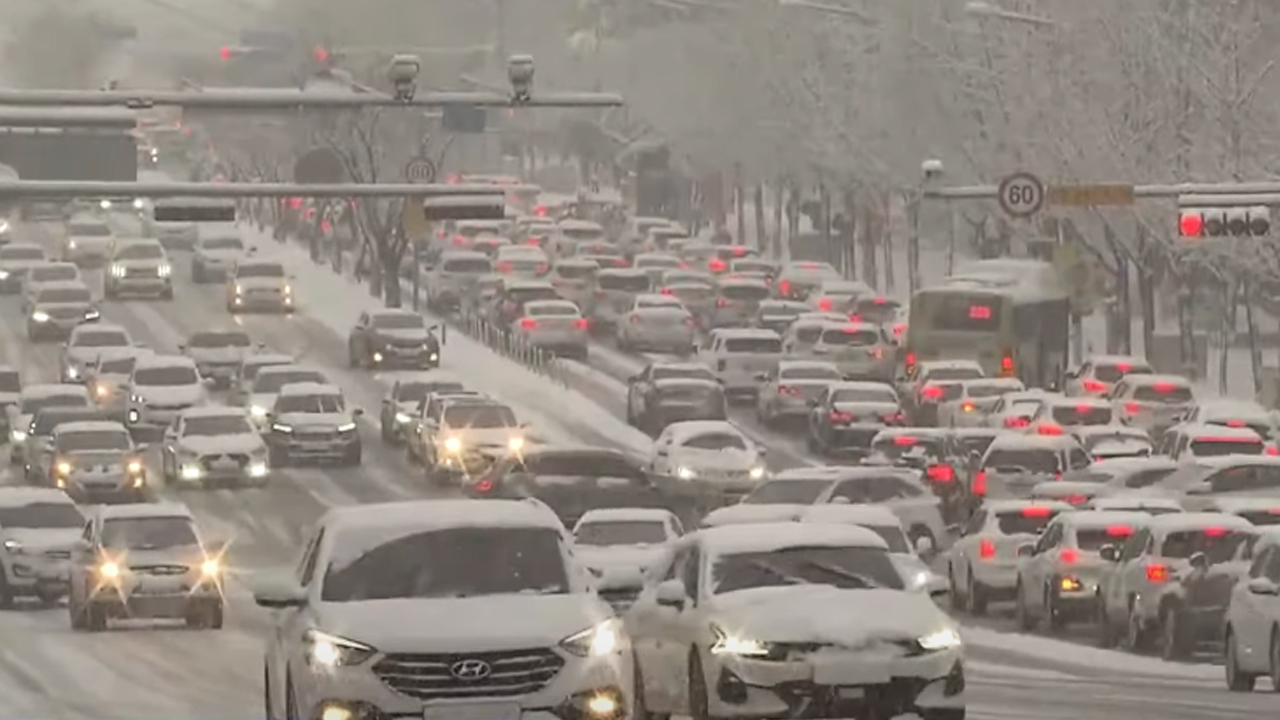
(1021, 194)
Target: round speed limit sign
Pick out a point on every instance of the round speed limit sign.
(1021, 195)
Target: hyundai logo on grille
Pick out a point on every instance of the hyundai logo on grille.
(470, 670)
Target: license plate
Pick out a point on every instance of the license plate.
(315, 446)
(471, 711)
(851, 693)
(849, 671)
(227, 465)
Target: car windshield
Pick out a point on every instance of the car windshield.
(1217, 543)
(102, 338)
(850, 337)
(975, 443)
(1261, 518)
(117, 366)
(625, 532)
(847, 568)
(715, 440)
(250, 369)
(810, 373)
(140, 251)
(698, 372)
(311, 403)
(172, 376)
(398, 321)
(1163, 394)
(529, 294)
(90, 440)
(10, 381)
(657, 262)
(582, 233)
(31, 406)
(260, 270)
(1022, 522)
(865, 395)
(1024, 460)
(216, 425)
(753, 345)
(64, 295)
(46, 420)
(448, 563)
(417, 391)
(480, 417)
(787, 492)
(579, 465)
(21, 252)
(41, 515)
(467, 265)
(229, 338)
(89, 230)
(223, 244)
(676, 394)
(1217, 446)
(1092, 539)
(271, 382)
(1082, 415)
(148, 533)
(55, 273)
(1113, 373)
(552, 310)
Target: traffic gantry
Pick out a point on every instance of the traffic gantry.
(1253, 221)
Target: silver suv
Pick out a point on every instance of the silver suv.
(311, 421)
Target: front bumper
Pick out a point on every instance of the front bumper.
(839, 688)
(144, 285)
(262, 301)
(564, 697)
(152, 415)
(215, 473)
(28, 573)
(104, 489)
(168, 598)
(304, 448)
(417, 357)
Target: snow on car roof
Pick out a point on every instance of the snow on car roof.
(861, 385)
(1222, 462)
(1135, 502)
(393, 312)
(625, 514)
(163, 361)
(686, 429)
(286, 368)
(17, 496)
(269, 359)
(1135, 464)
(848, 325)
(144, 510)
(739, 332)
(744, 282)
(98, 327)
(675, 382)
(212, 411)
(506, 250)
(309, 388)
(448, 255)
(655, 256)
(1232, 409)
(55, 263)
(854, 514)
(926, 365)
(418, 376)
(397, 518)
(89, 426)
(976, 432)
(767, 537)
(1089, 402)
(64, 285)
(45, 390)
(741, 514)
(785, 365)
(997, 382)
(1245, 504)
(518, 283)
(1131, 360)
(1148, 380)
(1182, 522)
(1018, 441)
(576, 263)
(562, 304)
(573, 224)
(1201, 430)
(1118, 432)
(1102, 518)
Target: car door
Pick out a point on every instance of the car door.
(1035, 569)
(289, 624)
(358, 340)
(690, 624)
(1248, 611)
(1114, 581)
(966, 546)
(660, 463)
(643, 622)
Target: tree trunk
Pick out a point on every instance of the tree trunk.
(1251, 327)
(776, 240)
(886, 242)
(1186, 326)
(740, 202)
(1146, 292)
(392, 296)
(762, 233)
(1230, 297)
(870, 239)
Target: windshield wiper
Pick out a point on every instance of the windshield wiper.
(867, 581)
(778, 573)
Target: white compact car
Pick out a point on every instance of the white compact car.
(218, 353)
(311, 421)
(442, 609)
(260, 395)
(713, 455)
(214, 257)
(89, 342)
(138, 268)
(259, 286)
(761, 620)
(87, 242)
(40, 273)
(57, 308)
(38, 528)
(161, 387)
(32, 400)
(214, 446)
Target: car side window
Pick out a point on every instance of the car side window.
(1272, 569)
(1260, 560)
(307, 568)
(1133, 548)
(857, 492)
(691, 573)
(87, 535)
(977, 521)
(1077, 459)
(1086, 370)
(1050, 539)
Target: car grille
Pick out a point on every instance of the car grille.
(403, 343)
(314, 435)
(140, 272)
(429, 676)
(209, 462)
(620, 600)
(66, 313)
(159, 569)
(58, 554)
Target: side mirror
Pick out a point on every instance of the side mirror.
(760, 377)
(1110, 553)
(1026, 550)
(1198, 561)
(182, 347)
(633, 379)
(142, 447)
(1263, 586)
(357, 412)
(924, 545)
(280, 593)
(671, 593)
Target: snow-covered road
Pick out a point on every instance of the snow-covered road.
(47, 671)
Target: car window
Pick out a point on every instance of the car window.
(787, 492)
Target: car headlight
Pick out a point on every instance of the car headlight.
(109, 570)
(756, 473)
(64, 468)
(191, 472)
(940, 640)
(73, 372)
(601, 639)
(258, 411)
(71, 244)
(102, 390)
(138, 203)
(726, 644)
(685, 473)
(17, 436)
(164, 270)
(258, 469)
(402, 418)
(13, 546)
(288, 289)
(515, 443)
(453, 445)
(282, 428)
(134, 467)
(92, 314)
(4, 274)
(117, 270)
(4, 227)
(211, 568)
(40, 316)
(330, 651)
(347, 427)
(105, 204)
(239, 289)
(137, 400)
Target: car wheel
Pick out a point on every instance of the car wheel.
(1174, 645)
(95, 617)
(959, 601)
(1054, 618)
(1022, 615)
(1137, 637)
(268, 711)
(1106, 629)
(6, 591)
(698, 700)
(977, 596)
(1237, 679)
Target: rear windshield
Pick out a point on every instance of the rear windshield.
(810, 373)
(1218, 544)
(121, 366)
(21, 252)
(895, 447)
(54, 273)
(1262, 518)
(753, 345)
(89, 230)
(1112, 373)
(865, 395)
(228, 243)
(787, 492)
(692, 293)
(170, 376)
(657, 262)
(626, 532)
(102, 338)
(64, 295)
(45, 422)
(529, 294)
(468, 265)
(624, 283)
(1082, 415)
(1092, 539)
(272, 382)
(219, 339)
(556, 310)
(989, 391)
(260, 270)
(31, 406)
(690, 392)
(955, 373)
(744, 292)
(808, 334)
(1167, 394)
(574, 272)
(975, 443)
(876, 310)
(683, 371)
(850, 338)
(1213, 447)
(1018, 522)
(1030, 460)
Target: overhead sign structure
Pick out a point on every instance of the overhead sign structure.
(1021, 195)
(420, 170)
(418, 214)
(1097, 195)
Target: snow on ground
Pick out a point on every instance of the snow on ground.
(557, 412)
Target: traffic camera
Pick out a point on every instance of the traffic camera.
(1252, 221)
(403, 74)
(520, 74)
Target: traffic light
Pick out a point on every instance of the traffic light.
(1220, 222)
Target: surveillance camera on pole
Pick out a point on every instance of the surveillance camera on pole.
(520, 74)
(931, 169)
(403, 74)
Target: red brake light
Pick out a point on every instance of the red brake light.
(528, 323)
(825, 305)
(600, 294)
(717, 265)
(1235, 423)
(979, 487)
(880, 300)
(540, 211)
(809, 266)
(855, 318)
(979, 312)
(967, 407)
(295, 203)
(1069, 556)
(620, 262)
(1016, 422)
(667, 291)
(1077, 499)
(1157, 573)
(325, 226)
(840, 418)
(1164, 387)
(904, 440)
(1119, 531)
(634, 319)
(504, 267)
(1123, 367)
(533, 241)
(931, 391)
(1049, 430)
(484, 486)
(320, 54)
(909, 360)
(941, 473)
(581, 323)
(1132, 408)
(899, 329)
(738, 251)
(459, 240)
(225, 53)
(1036, 511)
(851, 329)
(784, 287)
(986, 549)
(721, 302)
(543, 269)
(1094, 386)
(788, 390)
(1215, 532)
(1083, 408)
(1006, 365)
(1272, 450)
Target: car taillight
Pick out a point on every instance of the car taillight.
(1132, 408)
(1215, 532)
(896, 418)
(1069, 556)
(667, 291)
(931, 392)
(295, 203)
(788, 390)
(634, 319)
(533, 241)
(967, 407)
(721, 302)
(528, 323)
(325, 226)
(1049, 430)
(484, 486)
(1077, 499)
(581, 323)
(825, 305)
(459, 240)
(1119, 531)
(1157, 573)
(1006, 366)
(543, 269)
(979, 486)
(784, 287)
(899, 329)
(504, 267)
(1094, 386)
(986, 549)
(1272, 450)
(840, 418)
(717, 265)
(909, 361)
(941, 473)
(1016, 422)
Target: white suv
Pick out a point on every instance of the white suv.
(161, 387)
(442, 609)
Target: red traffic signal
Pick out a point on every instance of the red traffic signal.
(1190, 223)
(1220, 222)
